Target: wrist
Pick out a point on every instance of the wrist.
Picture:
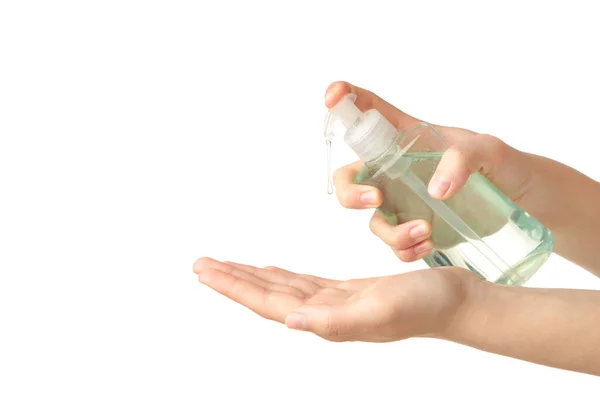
(554, 189)
(541, 191)
(470, 311)
(553, 327)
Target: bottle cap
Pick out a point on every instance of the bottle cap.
(368, 134)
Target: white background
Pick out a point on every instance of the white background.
(136, 137)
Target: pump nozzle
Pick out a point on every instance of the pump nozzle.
(369, 134)
(345, 111)
(349, 115)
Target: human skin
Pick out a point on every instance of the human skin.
(446, 303)
(548, 190)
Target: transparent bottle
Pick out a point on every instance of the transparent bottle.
(479, 228)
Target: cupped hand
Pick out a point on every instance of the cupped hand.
(380, 309)
(508, 169)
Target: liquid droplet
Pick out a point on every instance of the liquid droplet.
(329, 172)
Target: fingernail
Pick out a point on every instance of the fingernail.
(438, 187)
(419, 230)
(296, 321)
(423, 247)
(368, 198)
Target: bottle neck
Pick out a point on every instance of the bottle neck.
(374, 139)
(392, 151)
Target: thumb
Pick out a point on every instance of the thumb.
(482, 153)
(325, 320)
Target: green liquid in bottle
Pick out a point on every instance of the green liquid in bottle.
(521, 242)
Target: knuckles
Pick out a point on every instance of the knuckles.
(483, 150)
(494, 147)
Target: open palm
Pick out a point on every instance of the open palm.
(378, 309)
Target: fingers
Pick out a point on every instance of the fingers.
(321, 282)
(366, 100)
(351, 195)
(354, 196)
(270, 277)
(304, 285)
(416, 252)
(325, 320)
(272, 305)
(342, 322)
(243, 274)
(308, 285)
(483, 153)
(267, 275)
(410, 241)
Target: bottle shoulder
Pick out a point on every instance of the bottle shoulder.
(422, 163)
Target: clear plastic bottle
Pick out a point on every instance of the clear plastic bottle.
(479, 228)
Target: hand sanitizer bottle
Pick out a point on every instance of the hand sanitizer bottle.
(479, 228)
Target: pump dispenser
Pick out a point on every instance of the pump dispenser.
(479, 228)
(369, 134)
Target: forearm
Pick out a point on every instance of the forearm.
(568, 203)
(554, 327)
